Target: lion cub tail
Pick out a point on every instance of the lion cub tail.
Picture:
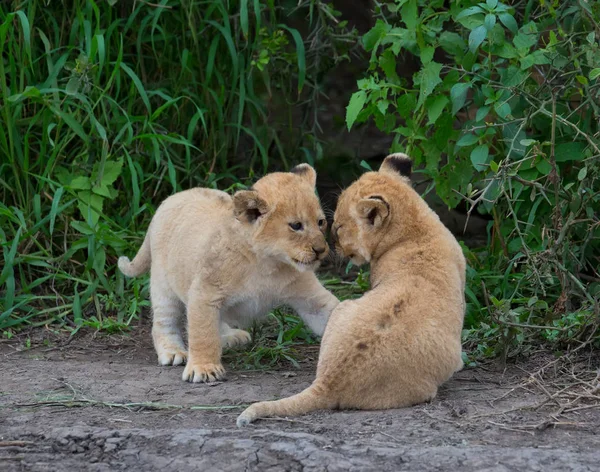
(140, 263)
(311, 399)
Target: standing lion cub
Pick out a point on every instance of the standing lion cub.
(229, 260)
(394, 346)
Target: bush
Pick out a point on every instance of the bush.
(503, 114)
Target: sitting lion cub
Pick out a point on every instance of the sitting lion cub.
(394, 346)
(229, 260)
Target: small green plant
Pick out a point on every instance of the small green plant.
(274, 342)
(283, 336)
(109, 325)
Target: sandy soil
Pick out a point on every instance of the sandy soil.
(100, 403)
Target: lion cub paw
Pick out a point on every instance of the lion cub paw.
(235, 337)
(198, 372)
(172, 357)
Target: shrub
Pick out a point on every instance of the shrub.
(503, 114)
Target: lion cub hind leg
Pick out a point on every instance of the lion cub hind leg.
(166, 324)
(231, 337)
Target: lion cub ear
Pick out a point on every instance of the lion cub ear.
(248, 206)
(306, 172)
(397, 164)
(374, 209)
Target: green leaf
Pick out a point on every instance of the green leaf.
(406, 104)
(477, 37)
(99, 261)
(409, 14)
(382, 106)
(81, 227)
(506, 51)
(509, 21)
(29, 92)
(9, 258)
(72, 86)
(524, 41)
(366, 165)
(452, 43)
(513, 136)
(26, 30)
(582, 173)
(490, 21)
(387, 62)
(467, 140)
(453, 180)
(536, 58)
(513, 77)
(458, 95)
(90, 205)
(482, 113)
(491, 3)
(138, 84)
(102, 190)
(231, 46)
(494, 166)
(54, 207)
(71, 122)
(469, 12)
(427, 54)
(502, 109)
(572, 151)
(357, 102)
(244, 17)
(479, 157)
(375, 34)
(80, 183)
(594, 73)
(300, 54)
(112, 170)
(435, 108)
(430, 78)
(544, 167)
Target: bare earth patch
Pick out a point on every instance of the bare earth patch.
(103, 404)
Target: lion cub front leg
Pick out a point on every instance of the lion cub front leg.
(204, 339)
(313, 302)
(232, 337)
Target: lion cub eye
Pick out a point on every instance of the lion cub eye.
(296, 226)
(321, 222)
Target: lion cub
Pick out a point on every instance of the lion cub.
(394, 346)
(228, 260)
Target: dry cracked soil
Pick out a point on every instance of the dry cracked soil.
(99, 403)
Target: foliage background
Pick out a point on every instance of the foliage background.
(108, 107)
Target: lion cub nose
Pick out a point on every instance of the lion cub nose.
(319, 250)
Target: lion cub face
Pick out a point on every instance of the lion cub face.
(285, 217)
(363, 212)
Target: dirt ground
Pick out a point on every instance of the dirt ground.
(101, 403)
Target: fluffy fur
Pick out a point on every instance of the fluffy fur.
(229, 260)
(394, 346)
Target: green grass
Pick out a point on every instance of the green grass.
(108, 108)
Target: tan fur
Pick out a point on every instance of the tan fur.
(394, 346)
(229, 260)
